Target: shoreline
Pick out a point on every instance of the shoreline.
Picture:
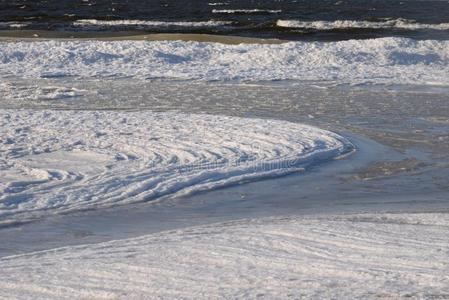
(38, 35)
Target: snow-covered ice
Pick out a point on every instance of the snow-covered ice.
(59, 161)
(365, 256)
(381, 61)
(56, 162)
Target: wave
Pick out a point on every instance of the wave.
(218, 3)
(102, 159)
(377, 61)
(143, 23)
(348, 24)
(246, 11)
(13, 25)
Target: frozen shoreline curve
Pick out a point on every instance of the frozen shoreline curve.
(376, 61)
(54, 162)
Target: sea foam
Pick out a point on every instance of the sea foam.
(350, 24)
(148, 24)
(246, 11)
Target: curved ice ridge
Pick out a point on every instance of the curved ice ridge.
(347, 24)
(380, 61)
(60, 161)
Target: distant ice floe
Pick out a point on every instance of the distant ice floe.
(142, 23)
(375, 61)
(348, 24)
(60, 161)
(372, 256)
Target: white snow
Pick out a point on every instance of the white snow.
(60, 161)
(345, 24)
(372, 256)
(382, 61)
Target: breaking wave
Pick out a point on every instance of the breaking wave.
(348, 24)
(246, 11)
(148, 24)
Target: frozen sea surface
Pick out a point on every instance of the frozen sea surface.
(401, 133)
(367, 256)
(392, 107)
(375, 61)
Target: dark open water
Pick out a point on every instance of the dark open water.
(378, 18)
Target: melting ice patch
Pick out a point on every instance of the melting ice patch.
(60, 161)
(379, 61)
